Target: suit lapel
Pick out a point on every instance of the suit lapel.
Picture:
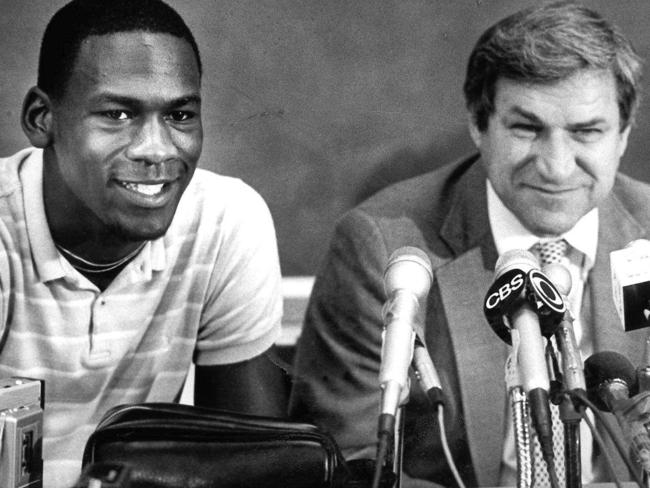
(463, 283)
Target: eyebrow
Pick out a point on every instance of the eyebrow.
(516, 110)
(577, 125)
(130, 101)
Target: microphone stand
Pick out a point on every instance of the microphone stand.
(643, 371)
(390, 457)
(398, 443)
(569, 413)
(571, 420)
(520, 418)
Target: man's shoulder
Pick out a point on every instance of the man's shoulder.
(631, 187)
(216, 202)
(425, 192)
(634, 195)
(215, 188)
(417, 212)
(424, 202)
(10, 170)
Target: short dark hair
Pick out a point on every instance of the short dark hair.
(547, 44)
(80, 19)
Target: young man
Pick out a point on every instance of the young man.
(120, 262)
(551, 93)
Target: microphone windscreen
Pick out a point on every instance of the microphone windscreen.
(515, 259)
(604, 367)
(408, 268)
(559, 276)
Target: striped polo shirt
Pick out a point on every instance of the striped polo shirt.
(208, 291)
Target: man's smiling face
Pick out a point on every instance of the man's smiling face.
(552, 150)
(127, 131)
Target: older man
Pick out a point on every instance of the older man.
(551, 93)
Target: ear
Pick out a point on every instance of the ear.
(36, 118)
(623, 140)
(474, 131)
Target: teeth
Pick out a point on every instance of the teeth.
(148, 190)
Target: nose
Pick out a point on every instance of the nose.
(556, 157)
(152, 142)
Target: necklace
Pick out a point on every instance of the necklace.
(90, 267)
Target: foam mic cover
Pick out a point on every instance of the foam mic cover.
(604, 368)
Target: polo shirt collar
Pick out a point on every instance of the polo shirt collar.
(47, 260)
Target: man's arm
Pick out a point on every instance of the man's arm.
(336, 383)
(258, 386)
(336, 372)
(235, 364)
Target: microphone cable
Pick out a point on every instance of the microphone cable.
(426, 374)
(552, 473)
(609, 462)
(622, 451)
(385, 431)
(445, 447)
(547, 448)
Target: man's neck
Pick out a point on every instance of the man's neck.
(98, 260)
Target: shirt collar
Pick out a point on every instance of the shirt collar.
(509, 233)
(49, 264)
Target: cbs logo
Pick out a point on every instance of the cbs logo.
(504, 290)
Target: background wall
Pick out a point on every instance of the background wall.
(319, 103)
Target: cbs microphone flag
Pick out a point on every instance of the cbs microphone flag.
(630, 268)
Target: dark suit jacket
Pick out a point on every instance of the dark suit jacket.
(444, 213)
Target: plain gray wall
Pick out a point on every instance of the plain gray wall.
(318, 103)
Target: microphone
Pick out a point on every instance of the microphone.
(514, 303)
(407, 280)
(630, 269)
(610, 379)
(427, 374)
(572, 372)
(573, 378)
(643, 371)
(520, 296)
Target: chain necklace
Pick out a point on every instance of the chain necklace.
(90, 267)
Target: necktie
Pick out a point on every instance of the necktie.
(550, 252)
